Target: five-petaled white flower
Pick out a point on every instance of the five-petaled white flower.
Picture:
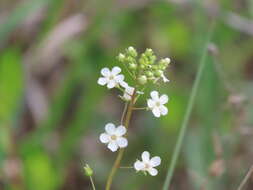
(111, 78)
(113, 136)
(156, 104)
(147, 164)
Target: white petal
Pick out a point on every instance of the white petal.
(102, 81)
(138, 165)
(154, 95)
(111, 84)
(122, 142)
(119, 78)
(155, 161)
(120, 130)
(165, 78)
(127, 96)
(113, 146)
(152, 171)
(164, 99)
(156, 112)
(110, 128)
(145, 156)
(163, 110)
(151, 103)
(104, 138)
(123, 84)
(116, 70)
(105, 72)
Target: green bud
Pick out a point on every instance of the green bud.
(149, 74)
(132, 66)
(142, 66)
(142, 79)
(149, 52)
(132, 51)
(158, 73)
(87, 170)
(121, 57)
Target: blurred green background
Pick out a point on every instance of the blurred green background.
(52, 110)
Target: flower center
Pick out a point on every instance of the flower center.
(146, 166)
(111, 77)
(157, 104)
(113, 137)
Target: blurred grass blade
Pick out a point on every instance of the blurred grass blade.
(188, 112)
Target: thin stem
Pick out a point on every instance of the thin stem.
(143, 108)
(126, 167)
(123, 114)
(116, 164)
(92, 183)
(244, 181)
(187, 115)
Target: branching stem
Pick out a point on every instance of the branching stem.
(116, 164)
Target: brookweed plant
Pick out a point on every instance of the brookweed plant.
(144, 69)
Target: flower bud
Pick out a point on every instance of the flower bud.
(87, 170)
(142, 79)
(132, 66)
(149, 74)
(121, 57)
(132, 51)
(158, 73)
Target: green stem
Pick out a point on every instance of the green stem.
(92, 183)
(187, 114)
(116, 164)
(246, 178)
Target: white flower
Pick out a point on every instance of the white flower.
(111, 78)
(147, 164)
(129, 91)
(113, 137)
(165, 79)
(156, 104)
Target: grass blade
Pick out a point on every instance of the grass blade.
(187, 113)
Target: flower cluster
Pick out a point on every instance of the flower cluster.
(145, 68)
(142, 68)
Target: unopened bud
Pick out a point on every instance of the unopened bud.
(132, 66)
(158, 73)
(132, 51)
(142, 79)
(121, 57)
(88, 171)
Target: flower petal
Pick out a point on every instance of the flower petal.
(111, 84)
(123, 84)
(116, 70)
(119, 78)
(155, 161)
(151, 103)
(154, 95)
(156, 112)
(163, 110)
(113, 146)
(120, 130)
(138, 165)
(164, 99)
(104, 138)
(105, 72)
(110, 128)
(122, 142)
(165, 79)
(102, 81)
(152, 171)
(145, 156)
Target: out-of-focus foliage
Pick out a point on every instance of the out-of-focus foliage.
(52, 110)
